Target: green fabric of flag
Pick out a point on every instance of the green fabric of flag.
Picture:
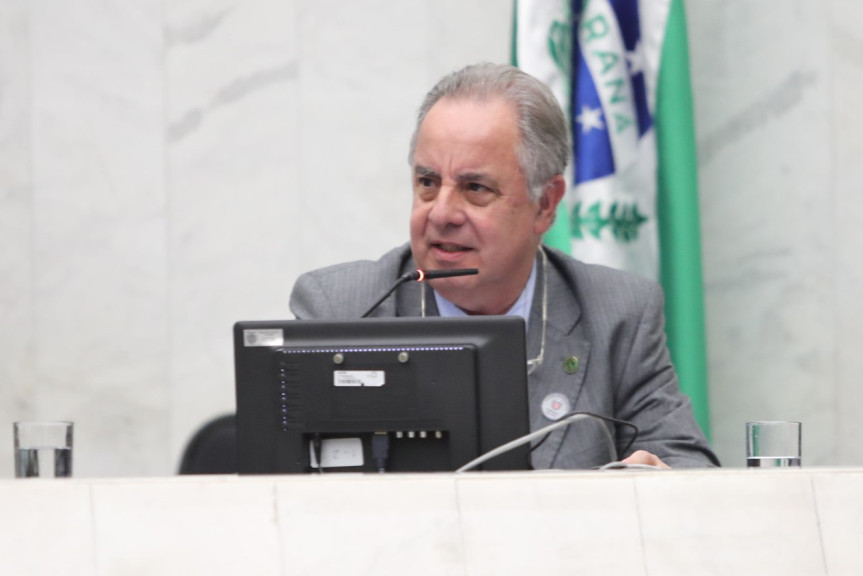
(679, 224)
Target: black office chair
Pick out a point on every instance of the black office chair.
(213, 448)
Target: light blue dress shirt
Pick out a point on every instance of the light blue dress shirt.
(520, 308)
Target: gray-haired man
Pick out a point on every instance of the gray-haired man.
(487, 160)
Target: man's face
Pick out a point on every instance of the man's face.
(471, 207)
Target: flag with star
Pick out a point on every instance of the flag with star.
(620, 68)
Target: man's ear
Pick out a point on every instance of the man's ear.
(552, 194)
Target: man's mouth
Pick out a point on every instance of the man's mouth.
(450, 248)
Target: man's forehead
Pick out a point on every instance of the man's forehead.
(457, 103)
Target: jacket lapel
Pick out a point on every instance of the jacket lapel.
(554, 386)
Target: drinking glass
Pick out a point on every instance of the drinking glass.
(43, 449)
(773, 444)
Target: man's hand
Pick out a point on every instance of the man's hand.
(645, 457)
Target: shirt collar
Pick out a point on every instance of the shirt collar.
(520, 308)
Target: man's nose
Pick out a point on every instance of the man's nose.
(447, 208)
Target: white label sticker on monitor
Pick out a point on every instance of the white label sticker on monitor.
(338, 453)
(253, 337)
(372, 378)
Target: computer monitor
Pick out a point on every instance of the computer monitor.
(430, 393)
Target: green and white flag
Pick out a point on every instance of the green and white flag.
(621, 70)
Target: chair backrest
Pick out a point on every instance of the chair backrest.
(213, 448)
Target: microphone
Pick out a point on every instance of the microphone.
(421, 276)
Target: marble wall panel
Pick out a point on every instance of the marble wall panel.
(467, 33)
(586, 524)
(321, 539)
(761, 95)
(753, 522)
(846, 65)
(167, 169)
(359, 104)
(232, 154)
(51, 528)
(99, 224)
(16, 226)
(840, 518)
(179, 521)
(778, 522)
(363, 71)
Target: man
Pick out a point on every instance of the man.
(487, 159)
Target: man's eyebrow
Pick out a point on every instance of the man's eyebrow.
(476, 177)
(424, 171)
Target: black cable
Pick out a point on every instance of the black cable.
(317, 447)
(380, 450)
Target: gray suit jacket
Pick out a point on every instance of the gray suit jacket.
(610, 321)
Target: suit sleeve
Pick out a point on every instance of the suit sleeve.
(648, 396)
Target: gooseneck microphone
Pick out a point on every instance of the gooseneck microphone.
(421, 276)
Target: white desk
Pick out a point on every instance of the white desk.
(807, 522)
